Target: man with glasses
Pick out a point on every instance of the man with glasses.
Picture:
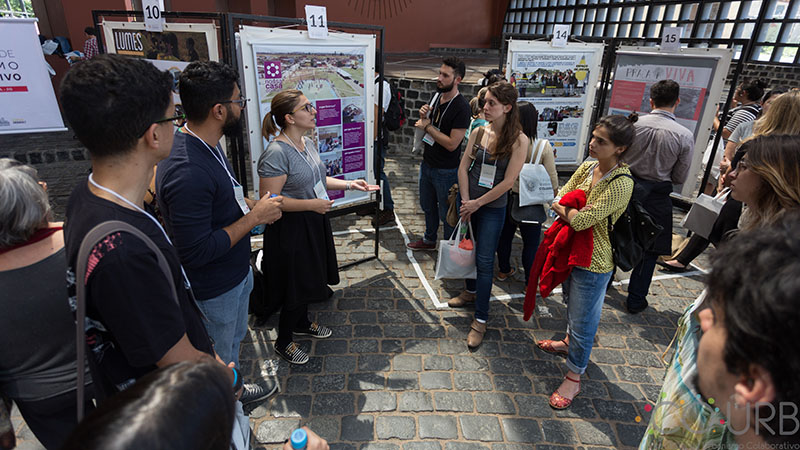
(206, 212)
(137, 320)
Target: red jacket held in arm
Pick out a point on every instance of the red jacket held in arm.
(561, 249)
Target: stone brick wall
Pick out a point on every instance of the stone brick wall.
(416, 94)
(785, 77)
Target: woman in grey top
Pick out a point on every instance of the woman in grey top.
(494, 156)
(299, 255)
(38, 368)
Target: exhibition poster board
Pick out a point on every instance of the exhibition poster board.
(561, 83)
(27, 100)
(700, 72)
(171, 50)
(336, 75)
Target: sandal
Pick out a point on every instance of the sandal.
(547, 346)
(503, 276)
(558, 401)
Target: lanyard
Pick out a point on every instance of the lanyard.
(133, 205)
(591, 174)
(439, 122)
(306, 159)
(216, 155)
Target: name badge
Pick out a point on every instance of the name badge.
(428, 139)
(320, 192)
(238, 192)
(487, 175)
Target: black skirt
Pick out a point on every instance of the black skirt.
(299, 259)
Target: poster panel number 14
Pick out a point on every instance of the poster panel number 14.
(317, 22)
(153, 19)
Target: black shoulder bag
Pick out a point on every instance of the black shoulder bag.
(634, 233)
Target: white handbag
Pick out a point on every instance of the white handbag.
(454, 261)
(535, 187)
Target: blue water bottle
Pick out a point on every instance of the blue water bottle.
(299, 439)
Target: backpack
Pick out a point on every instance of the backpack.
(395, 115)
(634, 233)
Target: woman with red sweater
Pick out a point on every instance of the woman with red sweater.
(585, 287)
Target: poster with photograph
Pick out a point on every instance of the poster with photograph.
(561, 84)
(700, 72)
(333, 78)
(27, 99)
(636, 73)
(171, 50)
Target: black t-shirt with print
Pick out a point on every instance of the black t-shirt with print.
(132, 318)
(454, 114)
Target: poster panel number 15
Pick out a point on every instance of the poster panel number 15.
(317, 22)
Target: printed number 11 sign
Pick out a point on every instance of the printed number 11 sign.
(153, 20)
(317, 22)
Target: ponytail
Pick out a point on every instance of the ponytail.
(282, 104)
(268, 127)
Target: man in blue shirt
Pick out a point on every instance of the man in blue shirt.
(205, 210)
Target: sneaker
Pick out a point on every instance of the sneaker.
(293, 354)
(421, 245)
(385, 216)
(253, 392)
(315, 330)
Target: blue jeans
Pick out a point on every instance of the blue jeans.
(386, 192)
(434, 185)
(583, 292)
(486, 224)
(227, 318)
(531, 233)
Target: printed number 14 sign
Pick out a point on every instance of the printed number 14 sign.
(317, 22)
(153, 20)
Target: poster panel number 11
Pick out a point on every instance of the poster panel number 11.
(317, 22)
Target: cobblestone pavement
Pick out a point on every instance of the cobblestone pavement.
(397, 374)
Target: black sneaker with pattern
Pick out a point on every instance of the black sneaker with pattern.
(315, 330)
(292, 353)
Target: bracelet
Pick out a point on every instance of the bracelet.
(347, 187)
(235, 376)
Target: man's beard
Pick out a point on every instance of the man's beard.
(444, 89)
(232, 127)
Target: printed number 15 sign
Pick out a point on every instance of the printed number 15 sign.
(317, 22)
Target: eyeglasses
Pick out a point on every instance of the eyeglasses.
(179, 119)
(308, 107)
(241, 101)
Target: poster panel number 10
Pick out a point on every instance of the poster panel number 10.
(317, 22)
(153, 19)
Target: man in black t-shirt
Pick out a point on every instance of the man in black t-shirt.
(121, 109)
(445, 125)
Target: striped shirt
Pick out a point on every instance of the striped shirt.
(605, 198)
(741, 114)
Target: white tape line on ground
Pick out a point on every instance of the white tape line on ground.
(699, 271)
(417, 268)
(260, 238)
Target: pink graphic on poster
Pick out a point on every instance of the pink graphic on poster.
(273, 75)
(353, 160)
(353, 135)
(329, 112)
(333, 195)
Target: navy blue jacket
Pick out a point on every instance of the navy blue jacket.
(196, 199)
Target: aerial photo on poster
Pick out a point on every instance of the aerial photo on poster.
(636, 73)
(332, 78)
(555, 81)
